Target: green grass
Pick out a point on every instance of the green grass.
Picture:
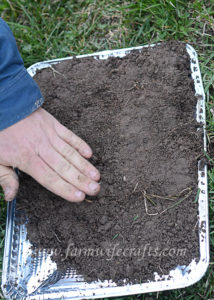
(46, 29)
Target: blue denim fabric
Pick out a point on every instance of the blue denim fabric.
(19, 93)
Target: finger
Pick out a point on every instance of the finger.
(9, 182)
(67, 171)
(72, 156)
(42, 173)
(72, 139)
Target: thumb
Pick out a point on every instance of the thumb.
(9, 182)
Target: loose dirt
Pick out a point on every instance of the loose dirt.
(138, 115)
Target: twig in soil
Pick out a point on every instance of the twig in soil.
(92, 271)
(55, 71)
(113, 71)
(20, 208)
(161, 270)
(178, 202)
(148, 198)
(56, 237)
(133, 87)
(195, 226)
(120, 234)
(136, 185)
(146, 208)
(170, 197)
(89, 201)
(199, 156)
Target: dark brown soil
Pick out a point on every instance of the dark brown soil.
(138, 115)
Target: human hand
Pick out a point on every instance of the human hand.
(9, 182)
(53, 155)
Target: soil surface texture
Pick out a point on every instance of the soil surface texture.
(138, 115)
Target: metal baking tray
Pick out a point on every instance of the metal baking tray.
(26, 273)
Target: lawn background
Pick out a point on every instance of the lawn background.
(52, 29)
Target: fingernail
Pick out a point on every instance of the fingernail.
(7, 193)
(93, 186)
(93, 174)
(86, 151)
(79, 194)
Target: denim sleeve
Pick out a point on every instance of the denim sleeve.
(19, 93)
